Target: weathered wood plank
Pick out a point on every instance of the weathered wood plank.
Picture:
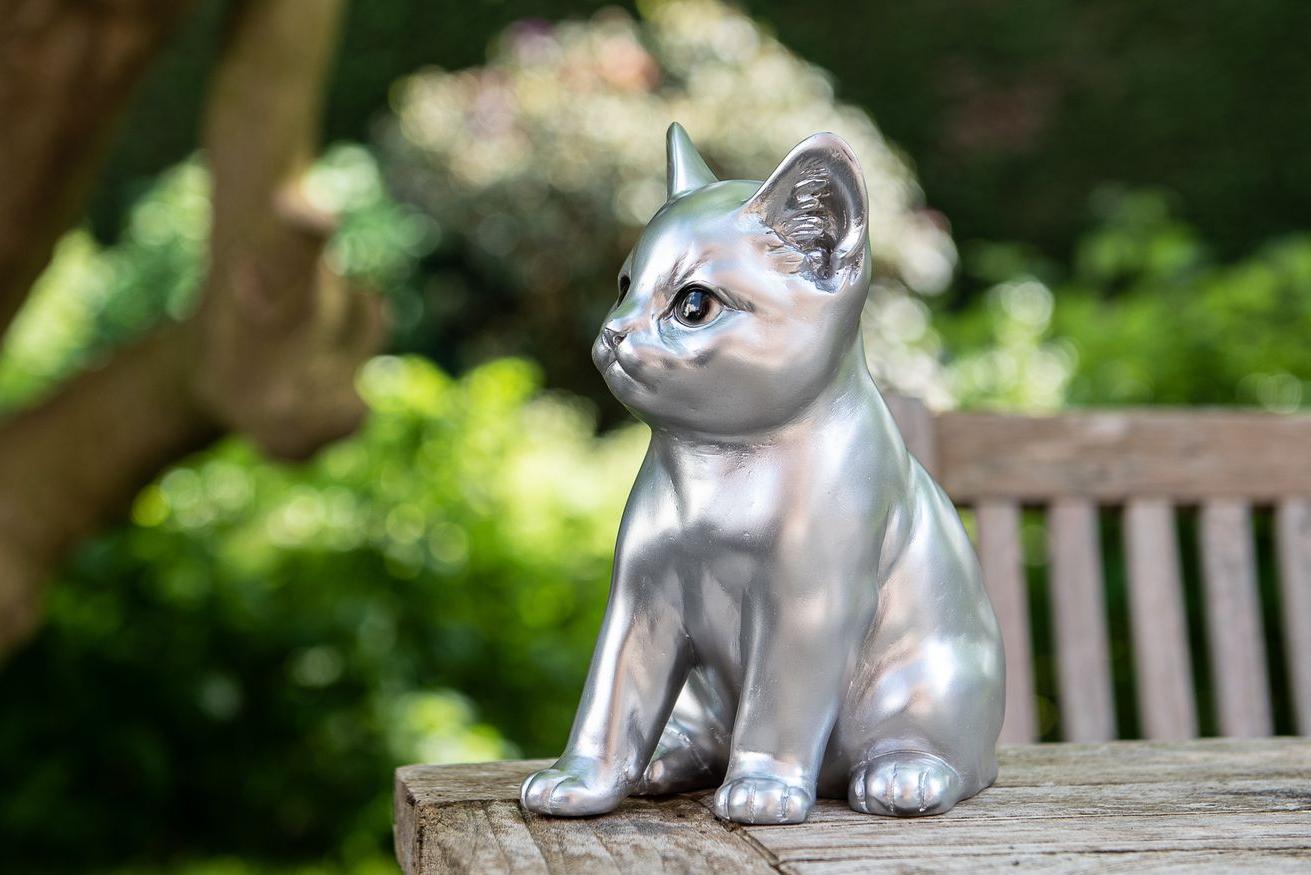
(880, 845)
(1002, 557)
(467, 818)
(1079, 616)
(1293, 533)
(1257, 862)
(1124, 762)
(1162, 669)
(1223, 804)
(1233, 619)
(1111, 456)
(1123, 799)
(1202, 805)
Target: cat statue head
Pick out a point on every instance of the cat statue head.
(740, 303)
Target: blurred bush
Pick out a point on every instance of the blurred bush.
(239, 668)
(1143, 314)
(541, 167)
(263, 644)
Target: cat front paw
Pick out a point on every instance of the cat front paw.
(573, 787)
(904, 784)
(760, 800)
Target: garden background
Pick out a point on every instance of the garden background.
(1076, 203)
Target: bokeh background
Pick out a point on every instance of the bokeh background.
(1076, 203)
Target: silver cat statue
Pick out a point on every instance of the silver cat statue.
(796, 608)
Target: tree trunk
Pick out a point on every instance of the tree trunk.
(273, 348)
(67, 70)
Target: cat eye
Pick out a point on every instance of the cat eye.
(624, 283)
(696, 305)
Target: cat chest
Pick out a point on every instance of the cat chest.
(724, 549)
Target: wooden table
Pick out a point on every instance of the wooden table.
(1211, 805)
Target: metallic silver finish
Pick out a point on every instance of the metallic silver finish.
(795, 608)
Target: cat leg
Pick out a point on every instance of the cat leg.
(796, 665)
(922, 735)
(693, 749)
(641, 661)
(919, 731)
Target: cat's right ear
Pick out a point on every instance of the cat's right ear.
(686, 169)
(815, 203)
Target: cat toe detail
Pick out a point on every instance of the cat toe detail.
(904, 784)
(762, 800)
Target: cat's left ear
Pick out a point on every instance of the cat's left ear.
(816, 203)
(686, 169)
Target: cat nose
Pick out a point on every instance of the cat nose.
(612, 337)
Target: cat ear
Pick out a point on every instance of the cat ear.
(686, 169)
(815, 202)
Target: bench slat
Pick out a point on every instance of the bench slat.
(1079, 616)
(1002, 557)
(1233, 619)
(1112, 456)
(1162, 669)
(1293, 524)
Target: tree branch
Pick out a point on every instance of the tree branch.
(68, 465)
(271, 353)
(67, 70)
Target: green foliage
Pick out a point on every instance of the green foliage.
(1153, 319)
(238, 669)
(1143, 315)
(1003, 357)
(93, 298)
(263, 644)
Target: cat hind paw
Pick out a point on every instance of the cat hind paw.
(904, 784)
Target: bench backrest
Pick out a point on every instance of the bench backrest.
(1067, 475)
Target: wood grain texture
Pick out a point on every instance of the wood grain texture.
(467, 818)
(1112, 456)
(1079, 616)
(1208, 805)
(1002, 556)
(1233, 619)
(1293, 537)
(1162, 668)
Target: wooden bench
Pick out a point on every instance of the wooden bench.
(1145, 467)
(1036, 492)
